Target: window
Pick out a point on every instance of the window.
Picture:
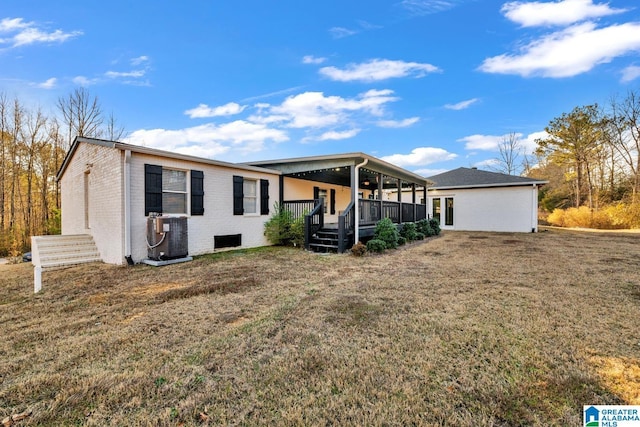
(174, 191)
(448, 215)
(250, 196)
(436, 209)
(166, 191)
(245, 196)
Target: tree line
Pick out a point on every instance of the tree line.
(591, 158)
(33, 145)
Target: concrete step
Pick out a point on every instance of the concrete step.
(63, 250)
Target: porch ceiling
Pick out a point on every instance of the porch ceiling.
(336, 169)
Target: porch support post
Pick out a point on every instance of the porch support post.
(400, 200)
(281, 190)
(355, 182)
(380, 188)
(413, 200)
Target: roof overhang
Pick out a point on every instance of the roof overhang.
(336, 169)
(155, 152)
(496, 185)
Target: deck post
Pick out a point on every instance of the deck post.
(37, 279)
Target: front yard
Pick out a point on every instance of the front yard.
(464, 329)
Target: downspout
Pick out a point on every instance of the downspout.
(356, 204)
(127, 206)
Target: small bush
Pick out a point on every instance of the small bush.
(435, 226)
(296, 232)
(376, 245)
(419, 236)
(387, 231)
(409, 231)
(616, 216)
(401, 241)
(424, 227)
(359, 249)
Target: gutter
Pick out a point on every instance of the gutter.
(127, 206)
(356, 204)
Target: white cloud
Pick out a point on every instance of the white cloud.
(427, 7)
(48, 84)
(565, 12)
(139, 60)
(420, 156)
(630, 73)
(492, 142)
(310, 59)
(378, 69)
(8, 25)
(203, 110)
(209, 140)
(483, 142)
(430, 172)
(84, 81)
(340, 32)
(398, 123)
(315, 110)
(461, 105)
(569, 52)
(23, 33)
(125, 74)
(334, 135)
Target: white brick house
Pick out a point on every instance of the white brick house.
(109, 189)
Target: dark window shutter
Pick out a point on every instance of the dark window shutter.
(197, 193)
(316, 193)
(152, 189)
(264, 197)
(332, 202)
(238, 195)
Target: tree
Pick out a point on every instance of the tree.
(511, 151)
(623, 135)
(574, 141)
(81, 113)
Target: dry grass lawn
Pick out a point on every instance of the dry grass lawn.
(464, 329)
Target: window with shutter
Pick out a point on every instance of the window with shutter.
(152, 189)
(264, 197)
(238, 195)
(197, 193)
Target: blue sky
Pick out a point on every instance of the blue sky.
(429, 85)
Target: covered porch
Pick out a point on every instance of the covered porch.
(349, 193)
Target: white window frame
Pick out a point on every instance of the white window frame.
(185, 192)
(250, 200)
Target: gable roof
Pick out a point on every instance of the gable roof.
(155, 152)
(475, 178)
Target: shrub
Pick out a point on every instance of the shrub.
(424, 227)
(401, 241)
(359, 249)
(409, 230)
(435, 226)
(616, 216)
(419, 236)
(376, 245)
(387, 231)
(278, 228)
(296, 232)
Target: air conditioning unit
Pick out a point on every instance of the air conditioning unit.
(167, 237)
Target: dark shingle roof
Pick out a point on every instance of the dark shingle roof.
(471, 178)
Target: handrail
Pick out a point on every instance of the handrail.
(346, 223)
(313, 221)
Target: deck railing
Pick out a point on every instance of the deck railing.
(346, 224)
(313, 221)
(299, 208)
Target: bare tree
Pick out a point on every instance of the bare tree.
(81, 113)
(114, 132)
(511, 151)
(623, 134)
